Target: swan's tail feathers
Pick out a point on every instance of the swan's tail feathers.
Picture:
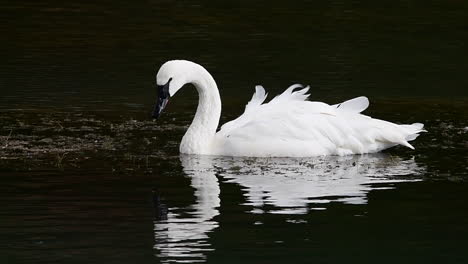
(413, 131)
(399, 134)
(412, 137)
(291, 95)
(418, 126)
(355, 105)
(406, 144)
(258, 97)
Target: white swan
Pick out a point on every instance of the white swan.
(287, 126)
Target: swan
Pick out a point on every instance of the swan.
(287, 126)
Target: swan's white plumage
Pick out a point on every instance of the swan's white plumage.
(356, 105)
(290, 126)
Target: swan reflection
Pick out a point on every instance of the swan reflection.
(274, 185)
(292, 184)
(183, 237)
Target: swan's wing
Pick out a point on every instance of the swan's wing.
(288, 114)
(257, 99)
(289, 95)
(356, 105)
(255, 107)
(289, 125)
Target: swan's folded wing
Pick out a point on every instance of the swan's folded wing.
(356, 105)
(301, 121)
(289, 125)
(306, 128)
(257, 99)
(255, 109)
(299, 130)
(289, 120)
(289, 95)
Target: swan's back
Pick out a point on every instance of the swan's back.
(290, 125)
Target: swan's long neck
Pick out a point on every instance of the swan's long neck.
(200, 135)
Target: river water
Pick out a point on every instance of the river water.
(88, 177)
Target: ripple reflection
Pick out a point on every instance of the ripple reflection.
(183, 238)
(291, 184)
(272, 185)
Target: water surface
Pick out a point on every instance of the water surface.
(87, 176)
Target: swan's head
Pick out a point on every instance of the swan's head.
(170, 78)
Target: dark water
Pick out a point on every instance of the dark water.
(88, 177)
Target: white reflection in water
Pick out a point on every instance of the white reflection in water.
(274, 185)
(291, 184)
(184, 238)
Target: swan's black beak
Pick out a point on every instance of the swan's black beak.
(163, 99)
